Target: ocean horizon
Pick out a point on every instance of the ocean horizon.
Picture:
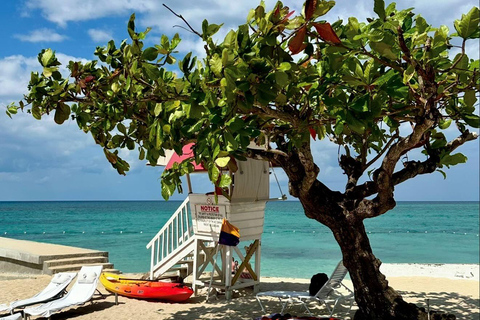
(292, 244)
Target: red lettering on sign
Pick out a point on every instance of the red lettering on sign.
(209, 208)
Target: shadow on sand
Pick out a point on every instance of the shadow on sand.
(245, 306)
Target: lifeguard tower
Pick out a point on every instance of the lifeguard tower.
(188, 242)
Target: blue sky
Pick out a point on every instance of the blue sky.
(40, 160)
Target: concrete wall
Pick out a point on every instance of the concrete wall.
(9, 265)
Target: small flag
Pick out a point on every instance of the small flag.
(229, 234)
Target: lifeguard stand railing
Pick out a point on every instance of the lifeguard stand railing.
(193, 232)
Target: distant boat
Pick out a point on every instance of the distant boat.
(145, 289)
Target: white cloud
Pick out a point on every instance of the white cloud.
(62, 12)
(98, 35)
(15, 75)
(41, 35)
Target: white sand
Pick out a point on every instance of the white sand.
(450, 288)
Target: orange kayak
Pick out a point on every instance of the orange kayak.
(145, 289)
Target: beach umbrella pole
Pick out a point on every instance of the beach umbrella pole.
(189, 183)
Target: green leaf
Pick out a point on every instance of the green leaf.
(338, 128)
(62, 113)
(225, 181)
(141, 155)
(46, 57)
(408, 74)
(151, 71)
(222, 162)
(121, 128)
(170, 60)
(158, 109)
(150, 54)
(209, 30)
(265, 94)
(214, 173)
(213, 28)
(421, 24)
(47, 72)
(175, 41)
(379, 8)
(196, 127)
(472, 120)
(383, 49)
(165, 43)
(158, 136)
(36, 113)
(469, 98)
(443, 173)
(167, 128)
(131, 26)
(11, 110)
(451, 160)
(216, 65)
(232, 144)
(281, 78)
(444, 124)
(467, 27)
(323, 7)
(384, 78)
(167, 189)
(285, 66)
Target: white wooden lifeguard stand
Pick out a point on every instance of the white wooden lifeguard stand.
(189, 240)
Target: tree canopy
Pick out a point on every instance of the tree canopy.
(379, 89)
(279, 78)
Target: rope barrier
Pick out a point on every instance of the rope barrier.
(313, 232)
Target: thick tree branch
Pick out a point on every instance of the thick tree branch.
(413, 168)
(311, 169)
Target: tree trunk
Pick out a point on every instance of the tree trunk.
(375, 299)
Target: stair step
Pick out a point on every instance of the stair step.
(78, 260)
(112, 271)
(176, 268)
(77, 267)
(168, 275)
(75, 255)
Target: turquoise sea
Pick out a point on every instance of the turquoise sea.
(292, 244)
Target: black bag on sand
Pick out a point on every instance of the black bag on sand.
(317, 282)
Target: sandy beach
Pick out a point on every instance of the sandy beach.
(450, 288)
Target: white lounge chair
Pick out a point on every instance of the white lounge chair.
(53, 290)
(324, 295)
(81, 292)
(15, 316)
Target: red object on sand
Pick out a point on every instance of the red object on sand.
(145, 289)
(187, 153)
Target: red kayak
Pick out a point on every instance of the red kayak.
(144, 289)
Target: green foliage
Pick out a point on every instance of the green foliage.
(276, 79)
(468, 26)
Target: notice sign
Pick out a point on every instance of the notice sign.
(209, 218)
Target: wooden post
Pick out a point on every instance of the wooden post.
(258, 254)
(245, 263)
(228, 272)
(189, 183)
(195, 266)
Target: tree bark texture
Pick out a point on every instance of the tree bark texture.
(344, 216)
(375, 299)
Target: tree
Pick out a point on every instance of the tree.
(382, 90)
